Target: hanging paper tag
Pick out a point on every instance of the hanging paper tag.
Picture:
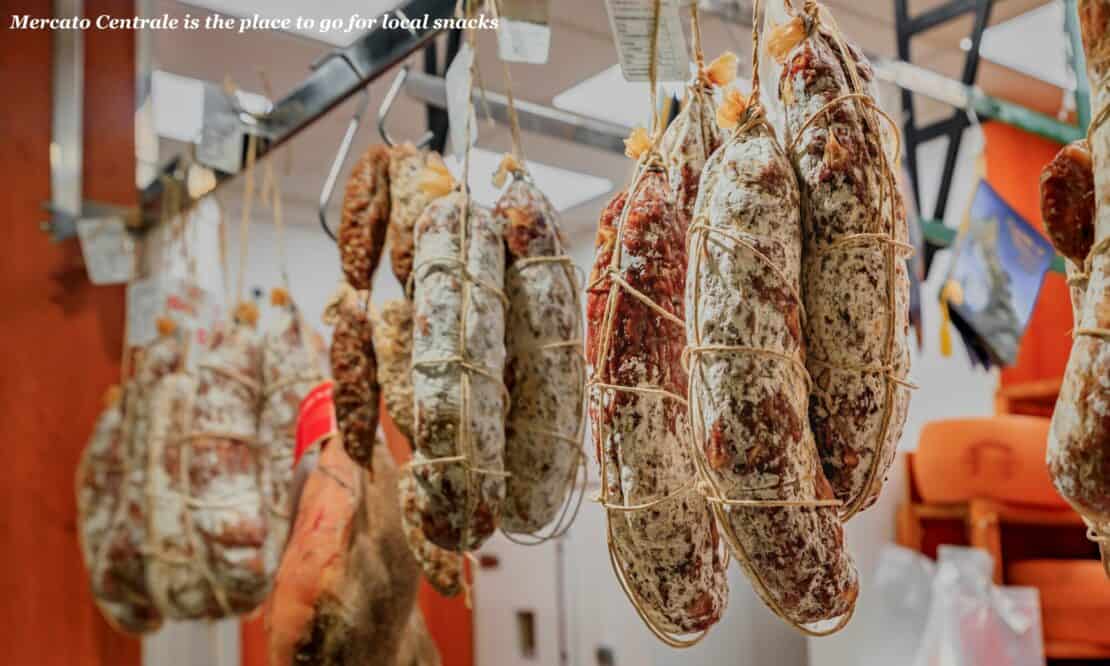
(108, 248)
(316, 420)
(632, 24)
(222, 140)
(194, 309)
(524, 33)
(460, 109)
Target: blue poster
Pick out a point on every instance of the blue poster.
(1000, 262)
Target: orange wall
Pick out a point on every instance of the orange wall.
(1014, 162)
(60, 341)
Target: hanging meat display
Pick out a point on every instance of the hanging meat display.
(854, 277)
(1079, 442)
(392, 333)
(749, 387)
(290, 369)
(458, 361)
(545, 371)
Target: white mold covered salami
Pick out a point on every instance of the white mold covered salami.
(443, 569)
(663, 541)
(290, 369)
(228, 461)
(122, 568)
(393, 347)
(854, 277)
(408, 200)
(545, 373)
(458, 362)
(101, 477)
(694, 135)
(1079, 441)
(749, 388)
(209, 525)
(180, 589)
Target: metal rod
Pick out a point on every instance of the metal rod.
(146, 137)
(1078, 61)
(954, 93)
(943, 14)
(970, 70)
(387, 106)
(66, 153)
(335, 79)
(337, 164)
(432, 90)
(909, 121)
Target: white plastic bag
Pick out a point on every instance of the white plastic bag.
(973, 622)
(904, 588)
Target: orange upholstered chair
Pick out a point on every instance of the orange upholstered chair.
(983, 482)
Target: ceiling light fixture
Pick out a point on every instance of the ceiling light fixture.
(607, 96)
(179, 105)
(1007, 44)
(563, 187)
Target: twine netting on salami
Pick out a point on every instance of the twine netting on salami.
(1078, 451)
(209, 521)
(693, 135)
(748, 390)
(458, 360)
(661, 538)
(290, 369)
(854, 278)
(112, 478)
(545, 368)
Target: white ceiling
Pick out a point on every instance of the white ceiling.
(581, 47)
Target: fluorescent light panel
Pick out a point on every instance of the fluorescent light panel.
(179, 105)
(564, 188)
(607, 96)
(341, 10)
(1033, 43)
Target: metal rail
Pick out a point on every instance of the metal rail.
(334, 78)
(66, 123)
(545, 120)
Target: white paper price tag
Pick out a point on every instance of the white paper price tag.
(524, 34)
(108, 249)
(632, 23)
(460, 109)
(521, 41)
(195, 310)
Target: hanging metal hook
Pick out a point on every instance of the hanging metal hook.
(387, 106)
(333, 174)
(340, 159)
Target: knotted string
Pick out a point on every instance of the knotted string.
(701, 233)
(886, 241)
(649, 161)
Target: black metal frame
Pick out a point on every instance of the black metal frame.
(952, 128)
